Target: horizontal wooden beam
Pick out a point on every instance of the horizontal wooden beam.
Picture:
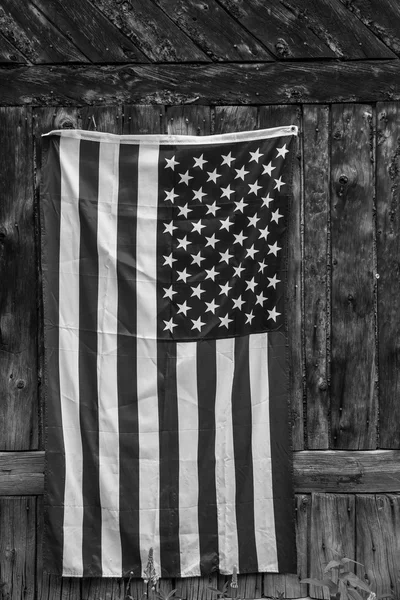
(223, 83)
(333, 471)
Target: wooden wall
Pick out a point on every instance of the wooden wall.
(344, 305)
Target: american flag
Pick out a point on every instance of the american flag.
(167, 443)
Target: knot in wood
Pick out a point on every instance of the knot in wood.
(343, 179)
(323, 386)
(20, 384)
(282, 48)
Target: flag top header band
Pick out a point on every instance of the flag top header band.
(240, 136)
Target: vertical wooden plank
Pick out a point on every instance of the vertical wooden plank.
(274, 116)
(44, 120)
(106, 589)
(316, 273)
(353, 370)
(290, 585)
(332, 534)
(143, 119)
(188, 120)
(378, 542)
(100, 118)
(17, 547)
(18, 289)
(388, 252)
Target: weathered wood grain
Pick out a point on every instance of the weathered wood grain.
(144, 119)
(151, 31)
(290, 584)
(188, 120)
(388, 259)
(316, 164)
(90, 31)
(339, 28)
(17, 548)
(214, 31)
(18, 289)
(239, 118)
(378, 542)
(235, 84)
(353, 354)
(101, 118)
(278, 28)
(332, 534)
(274, 116)
(382, 18)
(332, 471)
(9, 53)
(34, 35)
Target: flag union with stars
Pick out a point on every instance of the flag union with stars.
(221, 249)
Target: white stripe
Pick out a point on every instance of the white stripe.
(238, 136)
(69, 356)
(224, 455)
(148, 422)
(107, 313)
(264, 521)
(188, 419)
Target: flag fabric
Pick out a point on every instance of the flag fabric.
(166, 379)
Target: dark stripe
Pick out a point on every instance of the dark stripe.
(207, 511)
(242, 440)
(281, 456)
(126, 361)
(88, 392)
(50, 210)
(169, 459)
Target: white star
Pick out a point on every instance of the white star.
(212, 208)
(211, 241)
(251, 284)
(171, 162)
(237, 303)
(251, 251)
(168, 260)
(225, 256)
(273, 314)
(197, 323)
(239, 238)
(262, 266)
(169, 325)
(278, 184)
(263, 233)
(183, 308)
(274, 249)
(183, 275)
(199, 162)
(183, 243)
(268, 169)
(240, 205)
(211, 306)
(197, 258)
(260, 298)
(198, 195)
(169, 227)
(212, 176)
(225, 288)
(184, 210)
(249, 317)
(197, 291)
(211, 273)
(197, 226)
(225, 321)
(273, 281)
(169, 292)
(170, 195)
(185, 177)
(254, 187)
(267, 200)
(227, 159)
(238, 270)
(256, 155)
(226, 224)
(227, 192)
(241, 173)
(253, 220)
(276, 215)
(282, 151)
